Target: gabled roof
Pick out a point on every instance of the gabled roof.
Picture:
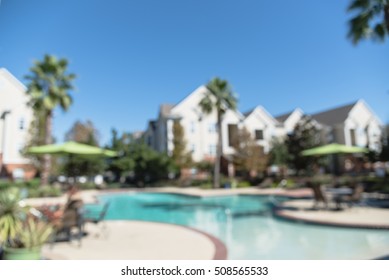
(263, 110)
(282, 118)
(200, 90)
(248, 113)
(6, 74)
(334, 116)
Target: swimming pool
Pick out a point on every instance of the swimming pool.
(246, 225)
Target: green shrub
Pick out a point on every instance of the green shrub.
(115, 185)
(45, 191)
(88, 186)
(243, 184)
(206, 185)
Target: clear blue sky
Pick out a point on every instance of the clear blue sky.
(132, 55)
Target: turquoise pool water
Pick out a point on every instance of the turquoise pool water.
(245, 224)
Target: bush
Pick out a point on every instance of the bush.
(32, 187)
(88, 186)
(45, 191)
(243, 184)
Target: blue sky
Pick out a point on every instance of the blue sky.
(132, 55)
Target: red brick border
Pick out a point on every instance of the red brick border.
(220, 247)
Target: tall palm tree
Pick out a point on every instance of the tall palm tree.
(371, 20)
(219, 98)
(49, 86)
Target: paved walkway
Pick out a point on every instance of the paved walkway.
(364, 217)
(126, 240)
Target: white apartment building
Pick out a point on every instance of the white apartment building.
(353, 124)
(262, 127)
(200, 128)
(15, 119)
(289, 120)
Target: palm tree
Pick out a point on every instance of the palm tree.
(49, 86)
(371, 20)
(219, 98)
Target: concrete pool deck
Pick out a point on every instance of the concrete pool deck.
(138, 240)
(355, 217)
(146, 240)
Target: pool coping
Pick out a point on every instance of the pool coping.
(278, 213)
(221, 252)
(276, 210)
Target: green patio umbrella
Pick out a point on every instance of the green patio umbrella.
(332, 149)
(70, 148)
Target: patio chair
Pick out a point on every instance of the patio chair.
(97, 216)
(354, 199)
(318, 195)
(72, 218)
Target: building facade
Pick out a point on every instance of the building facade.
(15, 119)
(354, 124)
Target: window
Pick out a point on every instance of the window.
(212, 150)
(353, 137)
(20, 147)
(367, 136)
(192, 126)
(258, 134)
(232, 134)
(212, 128)
(21, 124)
(193, 148)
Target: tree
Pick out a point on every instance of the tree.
(37, 137)
(83, 133)
(138, 161)
(124, 164)
(150, 165)
(76, 165)
(384, 155)
(305, 135)
(249, 158)
(180, 155)
(371, 20)
(48, 87)
(219, 98)
(279, 155)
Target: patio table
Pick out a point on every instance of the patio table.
(337, 194)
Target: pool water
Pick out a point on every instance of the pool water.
(246, 225)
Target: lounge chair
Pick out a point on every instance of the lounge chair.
(97, 216)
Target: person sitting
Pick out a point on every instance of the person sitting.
(317, 195)
(55, 213)
(66, 216)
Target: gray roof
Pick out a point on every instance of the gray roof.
(334, 116)
(165, 109)
(248, 112)
(283, 117)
